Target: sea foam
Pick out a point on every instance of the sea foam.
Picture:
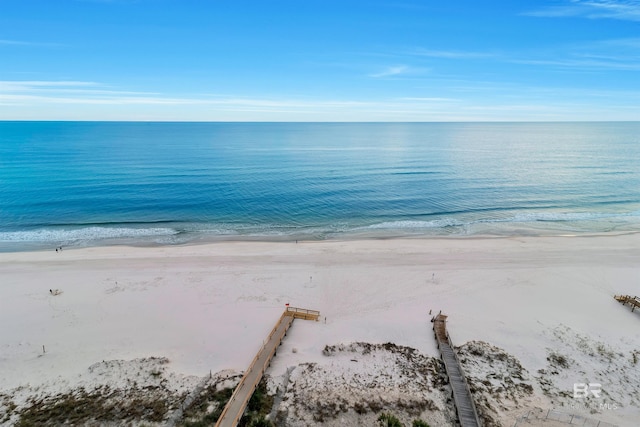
(86, 233)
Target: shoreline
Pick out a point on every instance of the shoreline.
(9, 247)
(207, 307)
(160, 250)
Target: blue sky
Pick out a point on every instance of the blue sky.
(319, 60)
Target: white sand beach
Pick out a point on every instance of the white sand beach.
(207, 308)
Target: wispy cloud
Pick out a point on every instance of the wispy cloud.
(108, 1)
(397, 71)
(628, 10)
(391, 71)
(92, 93)
(585, 62)
(79, 100)
(57, 89)
(423, 99)
(31, 85)
(30, 92)
(451, 54)
(6, 42)
(615, 54)
(621, 48)
(13, 43)
(65, 100)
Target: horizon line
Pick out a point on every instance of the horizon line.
(310, 121)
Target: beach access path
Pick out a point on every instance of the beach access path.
(465, 408)
(234, 409)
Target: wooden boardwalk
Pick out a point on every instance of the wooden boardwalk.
(234, 409)
(465, 408)
(634, 302)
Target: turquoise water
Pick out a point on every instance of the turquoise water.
(92, 183)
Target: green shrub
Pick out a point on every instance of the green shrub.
(388, 420)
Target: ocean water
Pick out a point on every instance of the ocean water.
(95, 183)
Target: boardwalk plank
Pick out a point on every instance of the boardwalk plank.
(461, 396)
(240, 398)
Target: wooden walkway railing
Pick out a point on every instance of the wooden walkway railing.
(465, 408)
(240, 398)
(302, 313)
(634, 302)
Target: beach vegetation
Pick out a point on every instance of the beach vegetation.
(604, 352)
(558, 360)
(419, 423)
(260, 421)
(100, 405)
(258, 408)
(260, 401)
(388, 420)
(198, 414)
(7, 406)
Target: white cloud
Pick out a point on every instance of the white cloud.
(451, 54)
(602, 55)
(33, 85)
(627, 10)
(423, 99)
(77, 100)
(5, 42)
(584, 62)
(30, 93)
(391, 71)
(13, 42)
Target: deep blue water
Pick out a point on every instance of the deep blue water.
(85, 183)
